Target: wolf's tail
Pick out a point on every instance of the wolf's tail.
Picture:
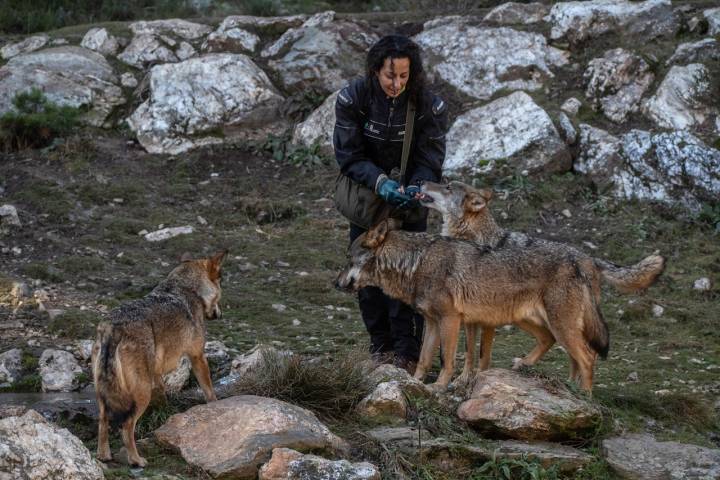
(110, 384)
(635, 277)
(595, 330)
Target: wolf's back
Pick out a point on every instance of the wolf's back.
(635, 277)
(108, 376)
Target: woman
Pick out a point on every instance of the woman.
(368, 138)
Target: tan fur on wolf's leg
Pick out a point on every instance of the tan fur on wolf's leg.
(103, 447)
(449, 333)
(468, 370)
(142, 400)
(486, 344)
(545, 341)
(574, 371)
(431, 340)
(202, 373)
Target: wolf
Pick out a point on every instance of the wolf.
(466, 215)
(145, 338)
(452, 281)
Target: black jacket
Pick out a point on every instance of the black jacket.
(370, 129)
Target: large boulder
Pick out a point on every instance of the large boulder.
(512, 13)
(234, 436)
(288, 464)
(668, 167)
(481, 61)
(33, 449)
(28, 45)
(685, 100)
(641, 457)
(512, 129)
(616, 82)
(705, 50)
(68, 75)
(322, 54)
(59, 371)
(584, 20)
(318, 127)
(189, 101)
(504, 402)
(712, 15)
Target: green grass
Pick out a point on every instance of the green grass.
(75, 324)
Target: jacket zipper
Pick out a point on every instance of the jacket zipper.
(392, 109)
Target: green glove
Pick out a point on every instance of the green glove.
(388, 190)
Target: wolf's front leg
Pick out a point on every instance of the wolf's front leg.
(202, 373)
(431, 340)
(449, 333)
(469, 367)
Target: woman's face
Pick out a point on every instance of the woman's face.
(394, 75)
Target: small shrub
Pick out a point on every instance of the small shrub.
(281, 150)
(330, 388)
(710, 215)
(42, 271)
(515, 469)
(81, 265)
(36, 121)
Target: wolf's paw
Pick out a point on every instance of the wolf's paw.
(463, 380)
(518, 363)
(138, 462)
(104, 456)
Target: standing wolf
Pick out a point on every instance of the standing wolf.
(466, 216)
(145, 339)
(452, 282)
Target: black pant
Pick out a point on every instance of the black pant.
(393, 326)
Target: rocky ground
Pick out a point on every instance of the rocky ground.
(78, 239)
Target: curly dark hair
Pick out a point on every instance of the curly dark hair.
(398, 46)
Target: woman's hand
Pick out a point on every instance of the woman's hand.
(389, 190)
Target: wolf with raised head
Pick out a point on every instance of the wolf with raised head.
(466, 215)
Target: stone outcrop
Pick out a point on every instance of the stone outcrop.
(512, 13)
(59, 371)
(288, 464)
(318, 127)
(513, 130)
(503, 402)
(616, 82)
(481, 61)
(33, 449)
(67, 75)
(10, 366)
(101, 41)
(581, 21)
(28, 45)
(234, 436)
(190, 101)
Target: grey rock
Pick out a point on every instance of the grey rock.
(147, 49)
(10, 366)
(712, 15)
(567, 129)
(99, 40)
(580, 21)
(33, 449)
(616, 82)
(684, 99)
(190, 98)
(68, 75)
(234, 436)
(481, 61)
(59, 371)
(641, 457)
(230, 37)
(9, 216)
(179, 377)
(176, 27)
(672, 167)
(525, 408)
(386, 401)
(705, 50)
(322, 54)
(571, 106)
(288, 464)
(28, 45)
(318, 126)
(512, 13)
(513, 129)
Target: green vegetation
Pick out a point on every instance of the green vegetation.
(36, 121)
(78, 324)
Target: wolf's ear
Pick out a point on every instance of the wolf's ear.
(376, 235)
(186, 257)
(474, 202)
(219, 257)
